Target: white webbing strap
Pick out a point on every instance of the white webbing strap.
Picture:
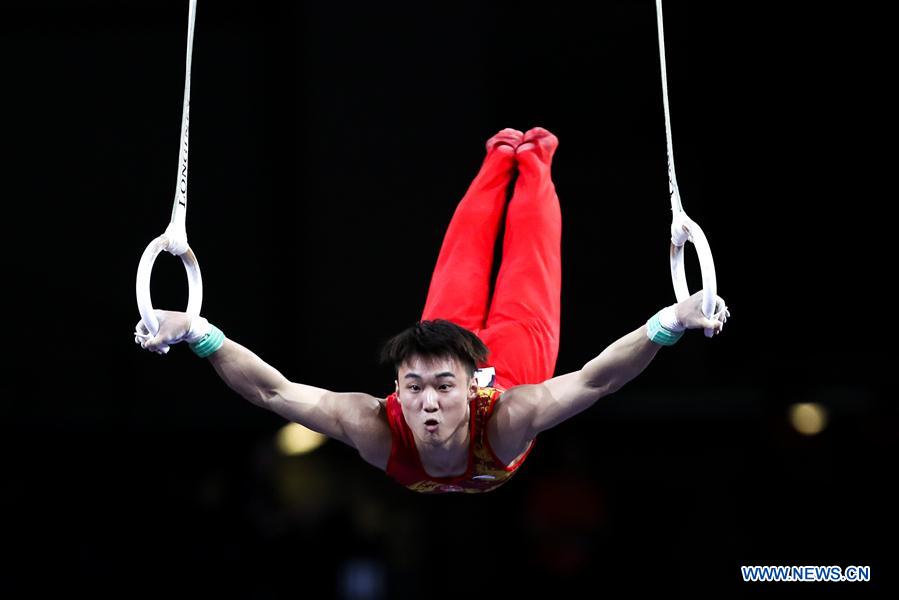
(683, 228)
(176, 231)
(174, 240)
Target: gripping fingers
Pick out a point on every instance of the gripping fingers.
(143, 338)
(721, 315)
(160, 349)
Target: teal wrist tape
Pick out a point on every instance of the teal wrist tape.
(658, 334)
(209, 343)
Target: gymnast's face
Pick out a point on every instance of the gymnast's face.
(434, 395)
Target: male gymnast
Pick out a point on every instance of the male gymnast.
(456, 421)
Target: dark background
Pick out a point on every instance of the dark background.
(330, 143)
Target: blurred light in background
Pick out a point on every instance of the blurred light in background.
(808, 418)
(362, 579)
(294, 439)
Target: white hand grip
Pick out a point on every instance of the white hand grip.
(145, 272)
(706, 266)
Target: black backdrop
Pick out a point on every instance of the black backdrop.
(330, 143)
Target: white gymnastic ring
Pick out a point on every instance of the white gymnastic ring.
(145, 272)
(706, 266)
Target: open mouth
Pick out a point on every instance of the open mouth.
(431, 425)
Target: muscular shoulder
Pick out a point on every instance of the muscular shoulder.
(363, 419)
(519, 401)
(510, 428)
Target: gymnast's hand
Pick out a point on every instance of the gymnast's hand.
(174, 327)
(689, 314)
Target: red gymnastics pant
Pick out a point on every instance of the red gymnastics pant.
(521, 328)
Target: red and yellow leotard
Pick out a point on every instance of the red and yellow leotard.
(485, 471)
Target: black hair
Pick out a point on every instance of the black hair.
(435, 339)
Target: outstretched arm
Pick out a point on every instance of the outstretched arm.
(572, 393)
(263, 385)
(353, 418)
(536, 408)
